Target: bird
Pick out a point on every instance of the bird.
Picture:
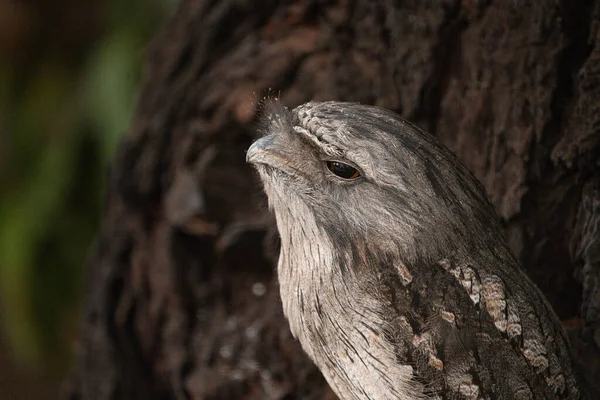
(394, 273)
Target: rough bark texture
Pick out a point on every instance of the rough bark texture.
(182, 299)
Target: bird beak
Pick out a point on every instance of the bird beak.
(261, 151)
(266, 151)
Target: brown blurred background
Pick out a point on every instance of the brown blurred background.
(69, 72)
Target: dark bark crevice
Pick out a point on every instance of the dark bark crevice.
(446, 55)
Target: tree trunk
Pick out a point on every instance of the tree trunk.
(182, 296)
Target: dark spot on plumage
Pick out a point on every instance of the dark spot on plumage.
(416, 303)
(388, 294)
(437, 184)
(517, 341)
(318, 307)
(349, 356)
(475, 374)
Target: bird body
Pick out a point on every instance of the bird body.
(394, 273)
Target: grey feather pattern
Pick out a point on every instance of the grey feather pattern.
(399, 284)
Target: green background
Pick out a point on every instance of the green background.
(69, 76)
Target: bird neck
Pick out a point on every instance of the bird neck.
(337, 319)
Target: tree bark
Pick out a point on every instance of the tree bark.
(182, 299)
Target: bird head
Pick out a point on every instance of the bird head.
(363, 172)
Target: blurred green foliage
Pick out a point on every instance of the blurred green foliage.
(69, 75)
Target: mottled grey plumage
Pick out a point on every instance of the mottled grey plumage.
(399, 284)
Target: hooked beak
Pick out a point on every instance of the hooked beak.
(261, 151)
(265, 151)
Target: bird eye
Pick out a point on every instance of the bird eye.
(342, 170)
